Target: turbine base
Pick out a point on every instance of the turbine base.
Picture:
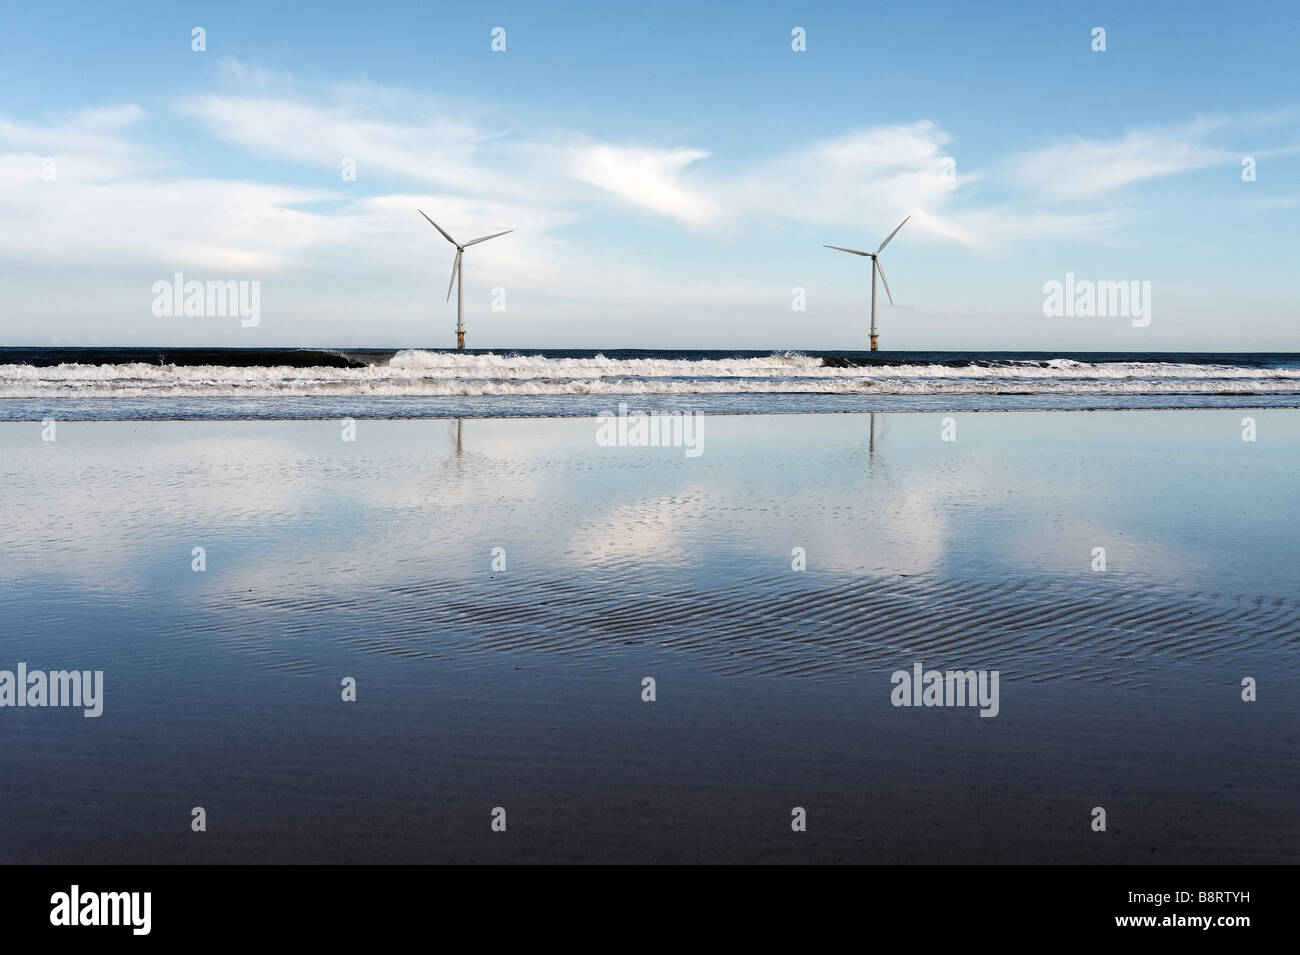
(874, 341)
(460, 340)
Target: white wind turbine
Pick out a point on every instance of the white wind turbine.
(456, 277)
(875, 267)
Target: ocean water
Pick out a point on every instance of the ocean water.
(520, 687)
(302, 383)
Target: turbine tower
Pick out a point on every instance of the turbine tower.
(456, 275)
(875, 267)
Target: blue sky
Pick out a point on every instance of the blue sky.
(672, 171)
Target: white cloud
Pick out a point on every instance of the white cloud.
(89, 131)
(1080, 168)
(230, 227)
(868, 176)
(425, 149)
(646, 177)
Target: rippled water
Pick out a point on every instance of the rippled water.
(480, 687)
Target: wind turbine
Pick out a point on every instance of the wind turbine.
(456, 276)
(875, 267)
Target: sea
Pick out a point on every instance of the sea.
(164, 383)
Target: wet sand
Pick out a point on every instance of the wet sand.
(521, 688)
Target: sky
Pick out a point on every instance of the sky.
(671, 172)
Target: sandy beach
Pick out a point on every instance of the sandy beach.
(519, 684)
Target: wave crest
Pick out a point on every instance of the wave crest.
(438, 373)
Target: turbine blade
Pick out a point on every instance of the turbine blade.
(891, 235)
(455, 270)
(841, 249)
(486, 237)
(881, 269)
(439, 228)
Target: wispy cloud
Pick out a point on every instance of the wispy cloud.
(646, 177)
(431, 149)
(867, 174)
(1080, 168)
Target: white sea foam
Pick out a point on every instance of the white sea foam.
(417, 373)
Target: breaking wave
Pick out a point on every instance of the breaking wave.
(409, 373)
